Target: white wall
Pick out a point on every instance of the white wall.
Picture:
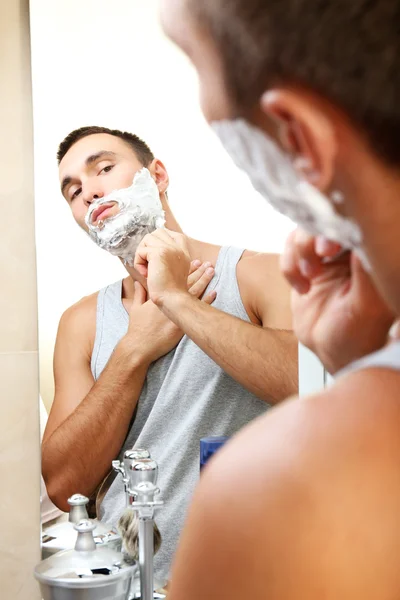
(312, 375)
(97, 62)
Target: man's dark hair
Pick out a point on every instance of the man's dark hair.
(348, 51)
(141, 149)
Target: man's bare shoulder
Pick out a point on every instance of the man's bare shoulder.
(79, 320)
(265, 291)
(258, 268)
(319, 494)
(351, 427)
(361, 407)
(260, 258)
(81, 310)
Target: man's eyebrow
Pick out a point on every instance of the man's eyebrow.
(93, 158)
(102, 154)
(66, 181)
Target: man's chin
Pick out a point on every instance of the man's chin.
(120, 247)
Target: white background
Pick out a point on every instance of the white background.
(97, 62)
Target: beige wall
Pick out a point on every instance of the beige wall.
(19, 410)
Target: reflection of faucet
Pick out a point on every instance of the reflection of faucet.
(145, 505)
(123, 468)
(140, 478)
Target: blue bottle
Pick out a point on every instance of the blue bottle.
(209, 446)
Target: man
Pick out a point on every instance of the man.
(126, 375)
(304, 503)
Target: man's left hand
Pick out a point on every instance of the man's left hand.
(337, 310)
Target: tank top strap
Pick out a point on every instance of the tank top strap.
(225, 282)
(109, 309)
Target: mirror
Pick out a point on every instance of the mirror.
(82, 75)
(94, 63)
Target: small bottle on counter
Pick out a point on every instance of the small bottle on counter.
(209, 446)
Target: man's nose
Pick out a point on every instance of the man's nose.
(91, 195)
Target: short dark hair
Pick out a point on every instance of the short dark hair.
(348, 51)
(141, 149)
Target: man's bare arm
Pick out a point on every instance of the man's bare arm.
(261, 358)
(317, 512)
(88, 421)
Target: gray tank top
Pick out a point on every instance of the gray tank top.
(185, 397)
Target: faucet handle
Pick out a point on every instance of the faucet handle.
(132, 455)
(85, 541)
(78, 510)
(136, 454)
(78, 500)
(145, 469)
(84, 525)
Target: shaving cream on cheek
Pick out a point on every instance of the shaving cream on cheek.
(139, 212)
(273, 175)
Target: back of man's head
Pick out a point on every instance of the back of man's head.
(141, 149)
(346, 50)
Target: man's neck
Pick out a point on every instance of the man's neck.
(170, 221)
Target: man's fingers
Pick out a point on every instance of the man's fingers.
(150, 242)
(303, 259)
(178, 238)
(210, 297)
(160, 238)
(290, 267)
(141, 258)
(197, 273)
(325, 248)
(157, 239)
(194, 265)
(199, 287)
(163, 236)
(171, 239)
(309, 263)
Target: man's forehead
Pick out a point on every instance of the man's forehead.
(99, 144)
(92, 144)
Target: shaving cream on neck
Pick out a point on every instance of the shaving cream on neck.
(140, 212)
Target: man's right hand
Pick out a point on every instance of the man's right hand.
(337, 311)
(150, 331)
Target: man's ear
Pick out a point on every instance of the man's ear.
(306, 131)
(160, 175)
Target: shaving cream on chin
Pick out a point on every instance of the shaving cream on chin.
(139, 212)
(273, 175)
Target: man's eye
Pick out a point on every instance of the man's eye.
(107, 169)
(76, 193)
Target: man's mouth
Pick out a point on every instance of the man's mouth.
(102, 212)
